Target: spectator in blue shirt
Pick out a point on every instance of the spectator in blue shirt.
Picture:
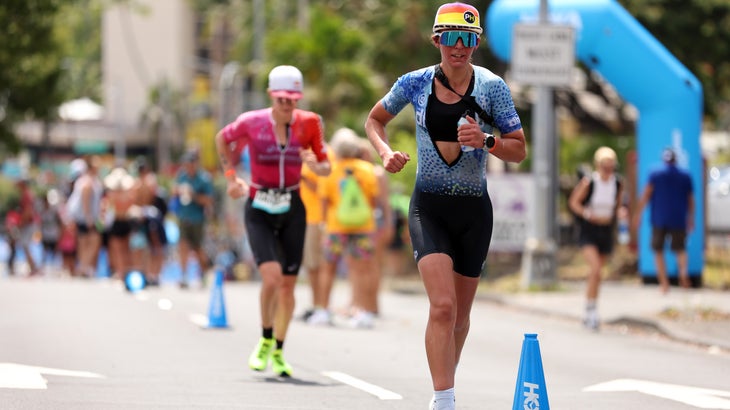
(669, 195)
(194, 192)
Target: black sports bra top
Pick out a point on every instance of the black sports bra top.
(441, 118)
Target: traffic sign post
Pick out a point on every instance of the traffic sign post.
(543, 55)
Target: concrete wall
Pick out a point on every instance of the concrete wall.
(142, 46)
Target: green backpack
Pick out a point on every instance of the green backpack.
(354, 210)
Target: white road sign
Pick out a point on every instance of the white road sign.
(543, 54)
(512, 201)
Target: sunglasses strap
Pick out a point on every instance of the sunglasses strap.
(439, 75)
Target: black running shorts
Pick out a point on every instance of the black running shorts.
(277, 237)
(459, 226)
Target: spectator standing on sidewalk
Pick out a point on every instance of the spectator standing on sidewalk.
(27, 223)
(349, 240)
(398, 251)
(119, 199)
(68, 239)
(451, 215)
(67, 246)
(312, 258)
(84, 208)
(12, 220)
(596, 201)
(51, 224)
(280, 139)
(194, 191)
(384, 224)
(669, 194)
(152, 209)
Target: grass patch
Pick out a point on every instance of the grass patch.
(695, 314)
(717, 267)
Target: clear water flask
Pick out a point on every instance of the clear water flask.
(462, 121)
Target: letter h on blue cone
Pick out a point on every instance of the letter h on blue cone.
(531, 391)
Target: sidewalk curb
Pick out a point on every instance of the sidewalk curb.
(676, 332)
(632, 322)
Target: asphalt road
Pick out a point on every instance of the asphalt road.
(76, 344)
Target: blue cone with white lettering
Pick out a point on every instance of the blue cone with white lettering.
(217, 307)
(531, 391)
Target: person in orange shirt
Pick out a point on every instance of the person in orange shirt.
(384, 223)
(351, 240)
(312, 257)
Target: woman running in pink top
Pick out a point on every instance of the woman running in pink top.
(279, 138)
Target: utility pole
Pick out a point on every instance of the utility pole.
(539, 266)
(256, 99)
(230, 92)
(303, 15)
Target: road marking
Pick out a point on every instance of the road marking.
(199, 319)
(693, 396)
(378, 391)
(164, 304)
(19, 376)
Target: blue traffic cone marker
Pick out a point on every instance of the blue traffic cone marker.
(171, 271)
(217, 307)
(135, 281)
(531, 391)
(103, 270)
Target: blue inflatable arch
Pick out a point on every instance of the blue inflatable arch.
(668, 96)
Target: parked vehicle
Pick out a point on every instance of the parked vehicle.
(718, 199)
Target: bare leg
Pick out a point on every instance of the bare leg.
(326, 281)
(315, 283)
(272, 279)
(372, 291)
(661, 271)
(88, 252)
(184, 253)
(31, 261)
(83, 253)
(466, 288)
(682, 266)
(202, 259)
(95, 246)
(360, 282)
(285, 306)
(595, 263)
(119, 255)
(437, 273)
(155, 257)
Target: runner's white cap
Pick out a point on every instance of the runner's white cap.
(286, 81)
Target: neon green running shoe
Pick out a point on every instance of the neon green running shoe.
(259, 359)
(279, 365)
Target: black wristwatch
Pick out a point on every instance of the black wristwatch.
(489, 142)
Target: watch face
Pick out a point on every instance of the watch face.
(490, 141)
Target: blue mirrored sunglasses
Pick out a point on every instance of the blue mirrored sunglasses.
(449, 38)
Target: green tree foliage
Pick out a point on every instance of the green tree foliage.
(339, 86)
(30, 68)
(697, 32)
(78, 34)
